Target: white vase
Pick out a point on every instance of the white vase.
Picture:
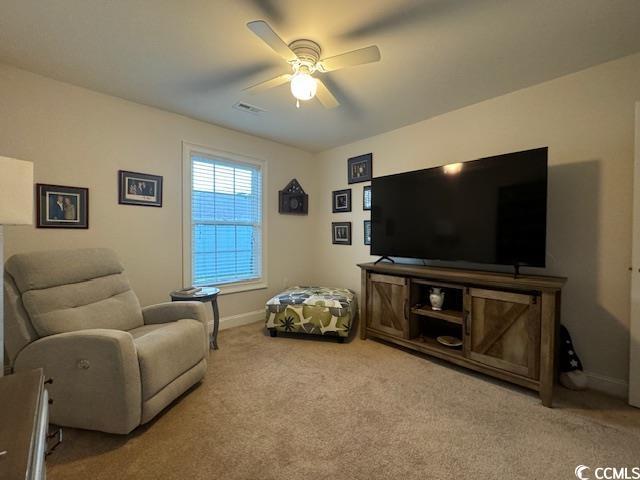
(436, 297)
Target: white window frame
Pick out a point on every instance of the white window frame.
(188, 150)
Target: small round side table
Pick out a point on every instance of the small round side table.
(207, 294)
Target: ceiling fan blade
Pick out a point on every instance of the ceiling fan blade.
(266, 85)
(270, 9)
(271, 38)
(412, 14)
(350, 59)
(325, 96)
(231, 77)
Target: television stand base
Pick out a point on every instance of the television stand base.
(508, 326)
(383, 258)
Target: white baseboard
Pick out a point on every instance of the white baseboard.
(239, 320)
(612, 386)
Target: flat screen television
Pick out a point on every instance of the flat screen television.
(492, 211)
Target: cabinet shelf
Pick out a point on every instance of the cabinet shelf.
(453, 316)
(433, 344)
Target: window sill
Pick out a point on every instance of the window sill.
(241, 287)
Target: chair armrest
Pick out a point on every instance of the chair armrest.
(96, 378)
(174, 311)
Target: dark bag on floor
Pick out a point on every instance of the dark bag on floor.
(569, 360)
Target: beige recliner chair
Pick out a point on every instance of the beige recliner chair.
(114, 365)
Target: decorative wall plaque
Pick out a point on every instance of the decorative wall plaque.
(293, 200)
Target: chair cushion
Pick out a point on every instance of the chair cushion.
(37, 270)
(166, 351)
(315, 310)
(68, 290)
(105, 302)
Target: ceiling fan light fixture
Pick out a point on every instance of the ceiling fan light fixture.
(304, 57)
(303, 86)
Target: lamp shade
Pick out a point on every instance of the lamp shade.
(16, 192)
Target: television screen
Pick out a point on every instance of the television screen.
(492, 210)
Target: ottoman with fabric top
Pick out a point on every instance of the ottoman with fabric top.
(312, 310)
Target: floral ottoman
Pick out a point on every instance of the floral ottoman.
(313, 310)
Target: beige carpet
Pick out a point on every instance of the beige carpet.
(284, 408)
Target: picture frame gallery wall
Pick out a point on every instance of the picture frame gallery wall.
(64, 206)
(359, 169)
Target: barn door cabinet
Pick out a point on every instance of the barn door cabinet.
(507, 325)
(388, 305)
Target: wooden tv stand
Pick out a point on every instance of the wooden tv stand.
(508, 326)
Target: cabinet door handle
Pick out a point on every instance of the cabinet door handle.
(467, 326)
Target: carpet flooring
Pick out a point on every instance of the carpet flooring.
(289, 408)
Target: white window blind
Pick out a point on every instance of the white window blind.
(226, 219)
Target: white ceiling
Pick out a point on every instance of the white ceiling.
(194, 57)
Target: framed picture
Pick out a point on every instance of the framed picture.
(341, 200)
(139, 189)
(360, 168)
(62, 207)
(341, 233)
(366, 198)
(367, 232)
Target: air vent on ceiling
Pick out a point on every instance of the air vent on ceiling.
(246, 107)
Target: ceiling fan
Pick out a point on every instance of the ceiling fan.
(304, 58)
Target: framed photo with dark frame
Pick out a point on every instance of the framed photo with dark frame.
(341, 233)
(360, 168)
(61, 206)
(366, 198)
(341, 200)
(367, 232)
(139, 189)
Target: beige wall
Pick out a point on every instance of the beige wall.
(78, 137)
(587, 120)
(81, 138)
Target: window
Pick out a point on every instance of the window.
(226, 220)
